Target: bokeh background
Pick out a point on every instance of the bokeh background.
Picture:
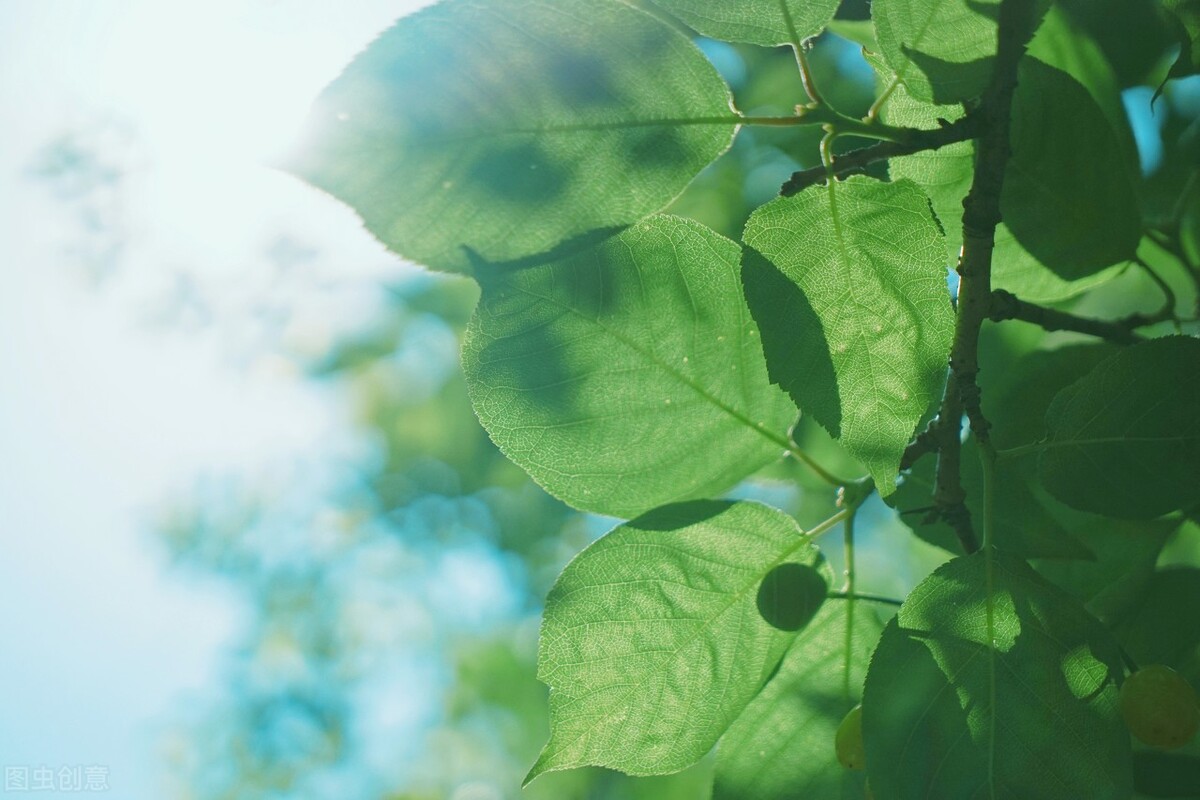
(252, 542)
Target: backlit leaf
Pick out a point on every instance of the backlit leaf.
(992, 683)
(1124, 440)
(941, 49)
(628, 375)
(847, 282)
(781, 747)
(654, 638)
(509, 127)
(765, 22)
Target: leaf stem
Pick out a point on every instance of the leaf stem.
(1130, 664)
(1169, 242)
(877, 106)
(822, 527)
(987, 457)
(822, 473)
(806, 73)
(868, 598)
(849, 590)
(1022, 450)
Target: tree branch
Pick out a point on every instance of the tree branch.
(914, 141)
(923, 444)
(1006, 305)
(949, 497)
(981, 214)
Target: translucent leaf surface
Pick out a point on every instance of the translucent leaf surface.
(628, 375)
(941, 49)
(781, 747)
(991, 683)
(1124, 440)
(508, 127)
(765, 22)
(658, 635)
(847, 282)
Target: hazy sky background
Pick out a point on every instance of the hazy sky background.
(145, 292)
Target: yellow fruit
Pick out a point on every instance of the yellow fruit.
(1160, 707)
(849, 741)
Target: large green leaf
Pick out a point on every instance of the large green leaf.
(657, 636)
(627, 375)
(941, 49)
(991, 683)
(765, 22)
(1124, 440)
(1070, 195)
(781, 747)
(508, 127)
(848, 283)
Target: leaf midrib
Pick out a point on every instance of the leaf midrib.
(653, 358)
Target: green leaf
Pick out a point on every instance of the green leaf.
(628, 375)
(992, 683)
(507, 128)
(1062, 43)
(658, 635)
(1158, 774)
(764, 22)
(1015, 402)
(1065, 156)
(1125, 554)
(859, 31)
(1124, 441)
(945, 175)
(1021, 524)
(1162, 627)
(1017, 270)
(781, 747)
(1183, 19)
(847, 282)
(941, 49)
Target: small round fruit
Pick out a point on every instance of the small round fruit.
(849, 741)
(1160, 707)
